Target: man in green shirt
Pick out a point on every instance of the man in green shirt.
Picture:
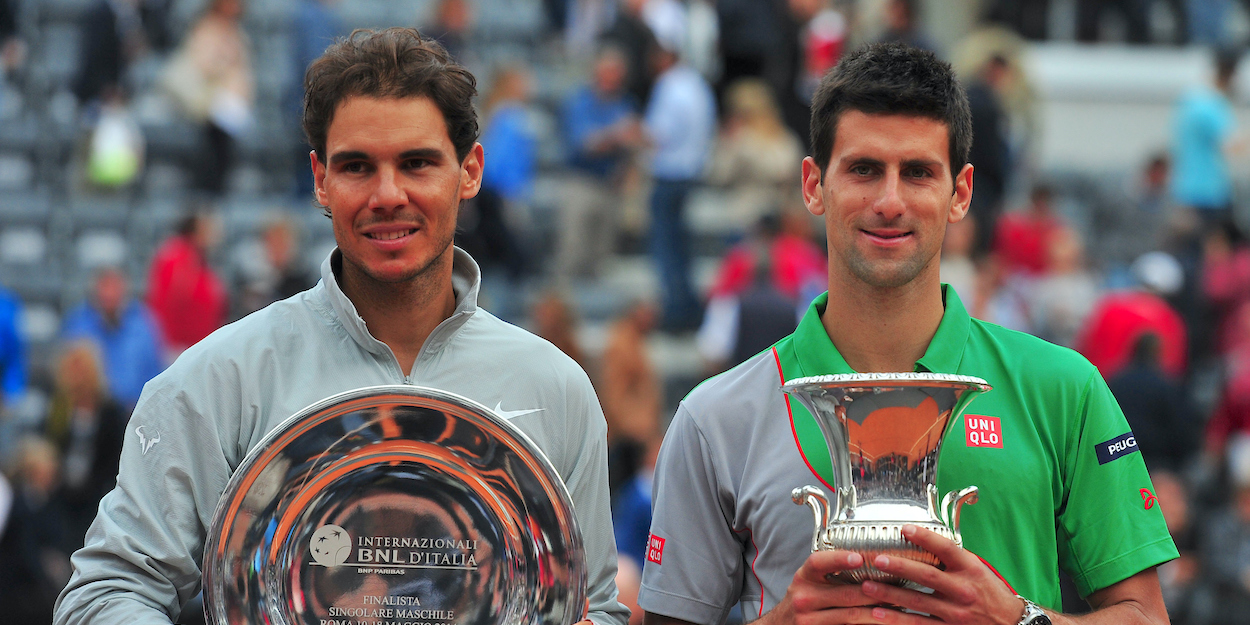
(1061, 485)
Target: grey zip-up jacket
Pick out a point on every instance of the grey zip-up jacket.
(195, 423)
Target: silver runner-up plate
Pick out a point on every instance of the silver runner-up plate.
(395, 505)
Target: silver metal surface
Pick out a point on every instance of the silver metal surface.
(395, 504)
(884, 433)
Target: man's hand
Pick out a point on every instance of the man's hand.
(966, 592)
(815, 598)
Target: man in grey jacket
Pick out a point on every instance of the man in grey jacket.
(394, 136)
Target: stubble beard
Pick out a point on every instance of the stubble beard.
(419, 278)
(885, 274)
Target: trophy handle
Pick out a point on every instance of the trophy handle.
(951, 505)
(815, 499)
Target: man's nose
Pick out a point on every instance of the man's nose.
(389, 192)
(890, 203)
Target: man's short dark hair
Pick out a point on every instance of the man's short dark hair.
(891, 79)
(390, 63)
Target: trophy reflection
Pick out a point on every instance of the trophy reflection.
(884, 433)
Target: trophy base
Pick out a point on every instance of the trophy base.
(876, 538)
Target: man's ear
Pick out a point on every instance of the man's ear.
(813, 189)
(963, 194)
(319, 179)
(471, 172)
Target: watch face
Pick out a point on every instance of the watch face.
(1040, 619)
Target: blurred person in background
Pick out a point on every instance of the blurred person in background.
(1121, 317)
(751, 34)
(631, 507)
(990, 156)
(1151, 195)
(822, 31)
(998, 296)
(1181, 578)
(630, 390)
(12, 351)
(1061, 299)
(602, 131)
(1148, 219)
(1022, 237)
(902, 24)
(1226, 284)
(1134, 13)
(1208, 20)
(185, 294)
(1231, 417)
(761, 289)
(681, 125)
(35, 546)
(1030, 18)
(87, 427)
(631, 34)
(125, 332)
(115, 34)
(273, 272)
(487, 222)
(316, 25)
(210, 78)
(453, 21)
(1156, 407)
(756, 155)
(1203, 137)
(958, 269)
(1225, 544)
(629, 387)
(555, 320)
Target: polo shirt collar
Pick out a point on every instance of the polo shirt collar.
(818, 356)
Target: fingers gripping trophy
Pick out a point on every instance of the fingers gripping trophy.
(884, 432)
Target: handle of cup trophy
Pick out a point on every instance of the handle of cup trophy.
(815, 499)
(951, 505)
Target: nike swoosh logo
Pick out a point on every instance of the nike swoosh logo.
(509, 414)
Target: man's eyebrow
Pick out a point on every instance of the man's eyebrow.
(431, 154)
(922, 162)
(851, 161)
(348, 155)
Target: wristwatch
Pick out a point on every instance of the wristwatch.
(1033, 615)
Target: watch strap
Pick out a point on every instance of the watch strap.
(1033, 615)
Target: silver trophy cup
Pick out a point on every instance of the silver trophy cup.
(884, 432)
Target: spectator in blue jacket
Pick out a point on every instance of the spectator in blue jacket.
(125, 332)
(12, 350)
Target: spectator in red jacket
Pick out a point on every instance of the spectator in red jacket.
(1121, 317)
(184, 293)
(1022, 238)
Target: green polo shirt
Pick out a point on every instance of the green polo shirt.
(1061, 484)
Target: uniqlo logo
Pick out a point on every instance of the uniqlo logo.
(983, 431)
(655, 549)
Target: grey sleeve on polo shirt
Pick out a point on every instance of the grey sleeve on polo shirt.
(694, 569)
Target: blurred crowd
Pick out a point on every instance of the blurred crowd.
(603, 143)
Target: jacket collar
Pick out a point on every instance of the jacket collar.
(466, 282)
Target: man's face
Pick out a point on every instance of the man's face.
(393, 185)
(610, 73)
(110, 291)
(887, 197)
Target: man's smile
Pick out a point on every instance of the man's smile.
(887, 236)
(390, 235)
